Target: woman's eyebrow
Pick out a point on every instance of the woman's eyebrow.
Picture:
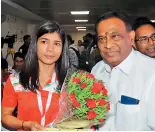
(44, 38)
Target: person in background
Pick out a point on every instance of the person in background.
(88, 41)
(36, 88)
(73, 52)
(145, 36)
(128, 75)
(4, 74)
(19, 59)
(80, 46)
(95, 56)
(84, 59)
(24, 48)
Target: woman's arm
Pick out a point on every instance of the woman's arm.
(11, 121)
(9, 102)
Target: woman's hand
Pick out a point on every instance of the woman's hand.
(33, 126)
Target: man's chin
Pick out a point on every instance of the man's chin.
(112, 61)
(151, 55)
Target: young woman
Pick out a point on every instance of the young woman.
(36, 88)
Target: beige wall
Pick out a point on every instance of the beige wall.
(78, 35)
(13, 25)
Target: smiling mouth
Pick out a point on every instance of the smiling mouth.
(151, 50)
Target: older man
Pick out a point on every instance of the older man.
(128, 75)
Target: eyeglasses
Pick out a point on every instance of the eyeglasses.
(145, 39)
(112, 36)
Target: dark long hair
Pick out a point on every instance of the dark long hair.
(29, 76)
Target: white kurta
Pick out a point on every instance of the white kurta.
(134, 77)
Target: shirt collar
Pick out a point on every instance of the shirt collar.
(125, 66)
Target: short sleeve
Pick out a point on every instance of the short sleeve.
(9, 96)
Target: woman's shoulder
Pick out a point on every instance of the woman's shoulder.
(15, 81)
(14, 77)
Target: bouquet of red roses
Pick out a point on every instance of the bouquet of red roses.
(83, 98)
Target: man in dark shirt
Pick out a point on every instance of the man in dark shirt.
(19, 59)
(24, 48)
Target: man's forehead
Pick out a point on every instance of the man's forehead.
(111, 25)
(145, 30)
(18, 58)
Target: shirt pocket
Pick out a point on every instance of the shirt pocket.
(127, 116)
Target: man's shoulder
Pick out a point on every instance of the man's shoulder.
(21, 47)
(144, 61)
(98, 67)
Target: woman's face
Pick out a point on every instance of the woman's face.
(49, 48)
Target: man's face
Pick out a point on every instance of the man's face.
(145, 44)
(28, 40)
(18, 63)
(114, 41)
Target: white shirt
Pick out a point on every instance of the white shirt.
(134, 77)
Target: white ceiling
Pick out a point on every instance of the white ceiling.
(59, 10)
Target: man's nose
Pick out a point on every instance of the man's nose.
(108, 43)
(151, 42)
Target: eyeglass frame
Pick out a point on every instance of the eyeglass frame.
(152, 35)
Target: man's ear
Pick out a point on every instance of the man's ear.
(132, 37)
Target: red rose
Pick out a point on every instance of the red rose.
(83, 85)
(101, 102)
(76, 104)
(108, 106)
(97, 87)
(91, 115)
(91, 103)
(101, 120)
(104, 91)
(72, 96)
(90, 76)
(76, 80)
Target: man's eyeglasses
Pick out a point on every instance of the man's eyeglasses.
(145, 39)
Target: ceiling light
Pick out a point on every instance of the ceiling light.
(81, 20)
(79, 12)
(80, 27)
(152, 20)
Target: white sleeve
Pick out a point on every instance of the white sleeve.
(150, 108)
